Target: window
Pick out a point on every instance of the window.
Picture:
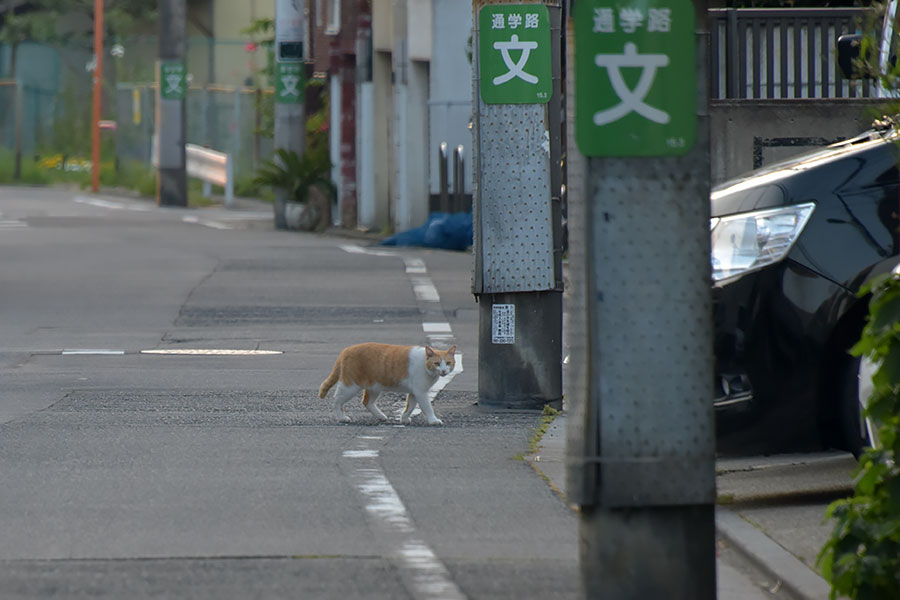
(334, 17)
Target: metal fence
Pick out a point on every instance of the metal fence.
(224, 118)
(45, 109)
(781, 53)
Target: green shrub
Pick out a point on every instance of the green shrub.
(861, 559)
(296, 174)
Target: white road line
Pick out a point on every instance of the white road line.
(436, 327)
(206, 223)
(109, 204)
(420, 567)
(211, 352)
(360, 453)
(13, 224)
(414, 265)
(92, 351)
(98, 203)
(424, 289)
(355, 249)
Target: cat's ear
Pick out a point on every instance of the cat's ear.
(452, 350)
(429, 351)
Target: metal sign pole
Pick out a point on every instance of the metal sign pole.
(517, 278)
(642, 466)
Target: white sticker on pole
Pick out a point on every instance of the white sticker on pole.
(503, 324)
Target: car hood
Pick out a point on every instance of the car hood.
(766, 188)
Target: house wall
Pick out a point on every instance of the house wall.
(450, 101)
(745, 132)
(383, 25)
(403, 112)
(419, 23)
(230, 62)
(383, 161)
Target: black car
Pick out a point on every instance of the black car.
(792, 245)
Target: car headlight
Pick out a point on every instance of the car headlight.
(753, 240)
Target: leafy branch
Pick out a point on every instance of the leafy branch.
(861, 559)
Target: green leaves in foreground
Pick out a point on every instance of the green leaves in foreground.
(861, 559)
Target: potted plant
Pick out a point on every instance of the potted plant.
(306, 190)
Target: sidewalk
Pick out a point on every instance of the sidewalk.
(750, 541)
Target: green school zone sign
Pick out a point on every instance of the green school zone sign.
(514, 54)
(636, 81)
(172, 80)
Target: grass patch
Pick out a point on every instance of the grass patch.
(135, 176)
(548, 415)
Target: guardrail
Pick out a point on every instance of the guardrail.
(210, 166)
(213, 168)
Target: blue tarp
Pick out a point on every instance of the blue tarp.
(450, 231)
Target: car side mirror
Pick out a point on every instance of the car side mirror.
(848, 50)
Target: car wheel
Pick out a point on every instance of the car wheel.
(857, 431)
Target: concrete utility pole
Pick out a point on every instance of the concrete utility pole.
(171, 189)
(516, 161)
(290, 87)
(641, 442)
(97, 95)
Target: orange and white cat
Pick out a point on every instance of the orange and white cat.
(378, 368)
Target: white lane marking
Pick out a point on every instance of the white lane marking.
(12, 224)
(419, 565)
(211, 352)
(354, 249)
(99, 203)
(93, 351)
(206, 223)
(109, 204)
(436, 327)
(414, 265)
(360, 453)
(424, 289)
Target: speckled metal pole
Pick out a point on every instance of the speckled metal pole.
(518, 272)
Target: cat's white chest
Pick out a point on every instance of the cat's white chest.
(418, 379)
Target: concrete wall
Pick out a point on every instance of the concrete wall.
(451, 89)
(772, 130)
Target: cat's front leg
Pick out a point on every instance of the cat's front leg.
(428, 410)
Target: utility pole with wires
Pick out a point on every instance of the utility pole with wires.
(170, 105)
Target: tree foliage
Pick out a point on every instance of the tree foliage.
(861, 559)
(49, 21)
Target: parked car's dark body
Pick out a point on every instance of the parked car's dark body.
(783, 378)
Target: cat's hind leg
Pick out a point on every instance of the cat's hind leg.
(369, 398)
(410, 406)
(343, 393)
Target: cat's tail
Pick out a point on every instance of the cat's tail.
(329, 383)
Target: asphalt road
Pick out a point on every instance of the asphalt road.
(132, 473)
(128, 474)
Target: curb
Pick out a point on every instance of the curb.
(766, 554)
(748, 540)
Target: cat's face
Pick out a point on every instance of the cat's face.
(441, 362)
